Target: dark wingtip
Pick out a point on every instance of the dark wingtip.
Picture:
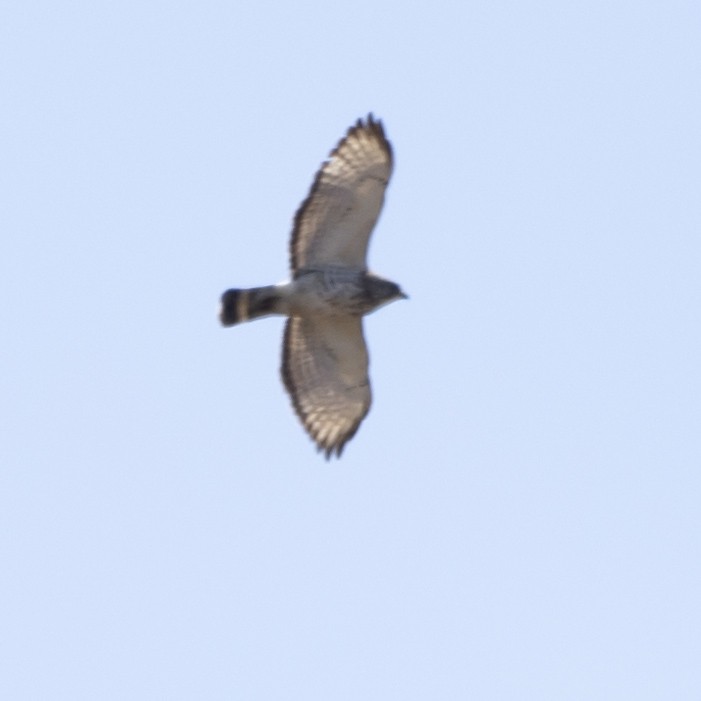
(333, 451)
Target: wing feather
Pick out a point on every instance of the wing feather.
(325, 371)
(333, 225)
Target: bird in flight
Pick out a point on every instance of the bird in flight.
(324, 356)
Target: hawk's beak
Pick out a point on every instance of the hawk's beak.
(403, 295)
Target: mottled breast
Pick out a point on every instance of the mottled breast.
(339, 291)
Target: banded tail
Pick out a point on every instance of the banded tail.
(238, 306)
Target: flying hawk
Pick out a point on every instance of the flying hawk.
(324, 356)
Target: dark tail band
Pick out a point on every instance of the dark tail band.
(233, 307)
(242, 305)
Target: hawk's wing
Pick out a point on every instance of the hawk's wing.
(333, 225)
(325, 371)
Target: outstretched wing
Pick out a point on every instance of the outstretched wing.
(325, 371)
(333, 225)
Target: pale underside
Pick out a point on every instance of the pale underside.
(333, 225)
(325, 358)
(325, 370)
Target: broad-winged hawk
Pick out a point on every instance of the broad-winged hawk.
(324, 356)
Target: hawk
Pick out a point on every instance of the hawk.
(324, 356)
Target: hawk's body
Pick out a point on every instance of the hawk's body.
(325, 359)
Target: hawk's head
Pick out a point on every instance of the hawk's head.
(380, 291)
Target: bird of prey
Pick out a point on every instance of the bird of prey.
(324, 356)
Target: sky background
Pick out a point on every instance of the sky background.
(519, 517)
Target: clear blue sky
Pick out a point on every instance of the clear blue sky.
(520, 515)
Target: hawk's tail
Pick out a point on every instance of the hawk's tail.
(243, 305)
